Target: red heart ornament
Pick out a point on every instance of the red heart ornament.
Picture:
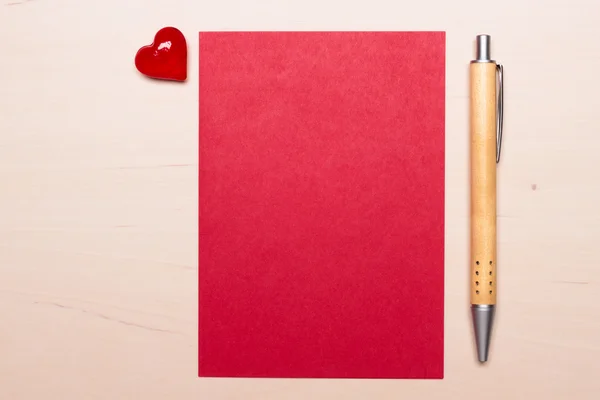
(166, 57)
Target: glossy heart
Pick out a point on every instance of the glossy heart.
(166, 57)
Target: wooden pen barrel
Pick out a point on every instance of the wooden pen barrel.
(483, 182)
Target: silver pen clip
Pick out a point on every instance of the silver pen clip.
(499, 111)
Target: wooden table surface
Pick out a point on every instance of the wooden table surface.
(98, 199)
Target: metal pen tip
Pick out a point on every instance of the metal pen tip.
(483, 318)
(483, 49)
(482, 359)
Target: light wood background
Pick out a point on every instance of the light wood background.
(98, 199)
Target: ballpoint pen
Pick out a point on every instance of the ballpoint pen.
(486, 107)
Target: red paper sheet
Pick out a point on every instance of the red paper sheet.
(321, 204)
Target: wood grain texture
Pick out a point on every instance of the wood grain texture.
(98, 200)
(483, 182)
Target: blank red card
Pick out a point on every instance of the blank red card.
(321, 204)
